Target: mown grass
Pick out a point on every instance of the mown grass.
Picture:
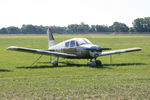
(126, 77)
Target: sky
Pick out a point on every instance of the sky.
(64, 12)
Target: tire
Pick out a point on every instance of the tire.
(92, 64)
(55, 63)
(98, 63)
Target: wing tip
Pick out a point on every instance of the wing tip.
(12, 48)
(133, 49)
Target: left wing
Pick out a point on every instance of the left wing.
(40, 51)
(120, 51)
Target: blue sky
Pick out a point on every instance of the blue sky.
(64, 12)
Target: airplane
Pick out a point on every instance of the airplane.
(75, 48)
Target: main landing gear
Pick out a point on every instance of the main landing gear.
(96, 63)
(55, 63)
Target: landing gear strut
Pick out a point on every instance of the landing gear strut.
(96, 63)
(55, 63)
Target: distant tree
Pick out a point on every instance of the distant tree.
(119, 27)
(92, 28)
(28, 29)
(142, 24)
(102, 28)
(83, 28)
(4, 31)
(138, 25)
(33, 29)
(131, 29)
(73, 28)
(147, 23)
(78, 28)
(40, 29)
(58, 29)
(13, 30)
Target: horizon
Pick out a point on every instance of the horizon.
(62, 26)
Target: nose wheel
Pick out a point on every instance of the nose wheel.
(96, 63)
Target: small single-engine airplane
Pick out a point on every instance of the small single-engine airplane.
(75, 48)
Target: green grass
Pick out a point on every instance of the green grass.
(127, 77)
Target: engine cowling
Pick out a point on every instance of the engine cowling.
(95, 51)
(94, 54)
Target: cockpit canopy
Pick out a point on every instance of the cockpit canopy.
(77, 42)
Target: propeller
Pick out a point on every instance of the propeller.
(97, 48)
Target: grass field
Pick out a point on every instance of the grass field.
(126, 77)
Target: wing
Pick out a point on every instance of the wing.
(120, 51)
(40, 51)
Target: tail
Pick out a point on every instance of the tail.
(51, 40)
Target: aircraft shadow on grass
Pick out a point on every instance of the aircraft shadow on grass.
(5, 70)
(124, 64)
(80, 65)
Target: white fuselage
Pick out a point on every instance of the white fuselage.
(77, 46)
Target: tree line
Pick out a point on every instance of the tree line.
(139, 25)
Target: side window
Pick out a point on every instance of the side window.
(67, 44)
(72, 43)
(77, 44)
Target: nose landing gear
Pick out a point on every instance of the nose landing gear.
(96, 63)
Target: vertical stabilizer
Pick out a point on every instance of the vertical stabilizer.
(51, 40)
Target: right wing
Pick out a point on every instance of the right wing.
(40, 51)
(120, 51)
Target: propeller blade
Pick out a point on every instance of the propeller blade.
(98, 49)
(105, 48)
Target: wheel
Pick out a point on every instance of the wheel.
(55, 63)
(98, 63)
(91, 63)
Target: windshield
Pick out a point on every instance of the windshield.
(71, 43)
(83, 41)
